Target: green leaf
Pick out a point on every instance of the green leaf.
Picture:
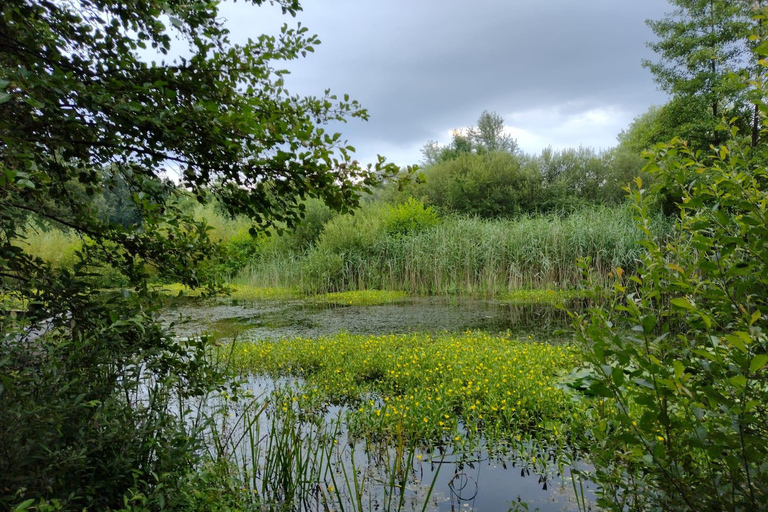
(679, 368)
(23, 505)
(738, 381)
(682, 303)
(758, 363)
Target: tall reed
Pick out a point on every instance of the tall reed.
(461, 255)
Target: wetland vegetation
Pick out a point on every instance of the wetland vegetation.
(282, 329)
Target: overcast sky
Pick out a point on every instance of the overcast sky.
(561, 72)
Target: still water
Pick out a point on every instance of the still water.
(462, 482)
(287, 319)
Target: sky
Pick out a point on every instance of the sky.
(562, 73)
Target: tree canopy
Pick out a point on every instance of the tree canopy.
(92, 103)
(77, 96)
(703, 48)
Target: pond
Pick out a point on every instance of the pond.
(363, 475)
(288, 319)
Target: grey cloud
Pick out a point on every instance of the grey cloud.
(424, 67)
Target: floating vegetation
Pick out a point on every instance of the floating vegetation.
(359, 298)
(551, 297)
(448, 389)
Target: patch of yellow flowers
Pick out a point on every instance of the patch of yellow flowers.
(432, 387)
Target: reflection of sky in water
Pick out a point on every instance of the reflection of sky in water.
(472, 481)
(481, 483)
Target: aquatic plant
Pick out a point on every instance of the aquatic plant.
(359, 298)
(460, 255)
(443, 389)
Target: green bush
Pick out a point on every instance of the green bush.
(680, 357)
(104, 397)
(354, 233)
(488, 185)
(410, 217)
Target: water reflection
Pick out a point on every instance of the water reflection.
(262, 320)
(453, 481)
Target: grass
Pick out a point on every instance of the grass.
(52, 245)
(236, 291)
(548, 297)
(245, 292)
(446, 389)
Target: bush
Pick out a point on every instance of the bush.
(354, 233)
(680, 358)
(488, 185)
(103, 395)
(410, 217)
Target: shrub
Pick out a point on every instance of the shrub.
(357, 232)
(488, 185)
(680, 358)
(410, 217)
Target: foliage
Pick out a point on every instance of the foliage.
(688, 118)
(501, 184)
(89, 380)
(85, 409)
(582, 176)
(488, 185)
(410, 217)
(359, 298)
(350, 233)
(488, 137)
(551, 297)
(700, 45)
(682, 353)
(459, 255)
(316, 215)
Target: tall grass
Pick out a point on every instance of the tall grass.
(459, 255)
(52, 245)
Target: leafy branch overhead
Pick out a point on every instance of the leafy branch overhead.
(76, 96)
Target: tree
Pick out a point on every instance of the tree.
(679, 354)
(81, 110)
(488, 137)
(489, 134)
(701, 45)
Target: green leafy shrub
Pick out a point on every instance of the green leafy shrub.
(680, 358)
(409, 217)
(488, 185)
(98, 392)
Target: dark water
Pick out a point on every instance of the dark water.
(485, 484)
(288, 319)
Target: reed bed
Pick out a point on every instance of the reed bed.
(52, 245)
(465, 256)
